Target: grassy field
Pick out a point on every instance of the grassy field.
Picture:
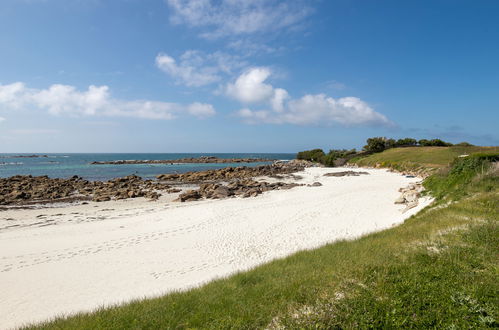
(439, 269)
(418, 158)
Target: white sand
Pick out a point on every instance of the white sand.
(78, 258)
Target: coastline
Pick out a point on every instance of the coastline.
(81, 257)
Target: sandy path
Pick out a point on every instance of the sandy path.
(123, 250)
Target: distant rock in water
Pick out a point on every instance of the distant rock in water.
(199, 160)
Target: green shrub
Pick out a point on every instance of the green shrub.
(464, 144)
(434, 143)
(318, 155)
(452, 182)
(314, 155)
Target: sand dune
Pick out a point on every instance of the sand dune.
(64, 260)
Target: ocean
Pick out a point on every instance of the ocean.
(67, 165)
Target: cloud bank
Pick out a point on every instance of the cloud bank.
(235, 18)
(95, 101)
(319, 109)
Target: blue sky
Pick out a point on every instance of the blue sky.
(245, 76)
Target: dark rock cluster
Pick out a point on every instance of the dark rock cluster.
(242, 188)
(232, 173)
(26, 189)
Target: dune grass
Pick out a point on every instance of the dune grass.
(439, 269)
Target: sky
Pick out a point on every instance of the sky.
(245, 76)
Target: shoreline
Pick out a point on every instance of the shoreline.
(66, 258)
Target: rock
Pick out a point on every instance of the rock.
(221, 192)
(346, 173)
(153, 195)
(400, 200)
(190, 195)
(315, 184)
(232, 173)
(410, 206)
(16, 194)
(202, 159)
(26, 189)
(411, 197)
(101, 198)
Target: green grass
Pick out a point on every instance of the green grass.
(437, 270)
(418, 158)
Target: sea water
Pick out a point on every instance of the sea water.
(67, 165)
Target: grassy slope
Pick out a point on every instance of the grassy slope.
(418, 157)
(437, 269)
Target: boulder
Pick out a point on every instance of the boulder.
(400, 200)
(190, 195)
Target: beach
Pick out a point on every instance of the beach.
(63, 260)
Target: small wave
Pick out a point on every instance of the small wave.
(10, 163)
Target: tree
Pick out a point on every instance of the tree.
(434, 143)
(406, 142)
(424, 143)
(375, 144)
(314, 155)
(439, 143)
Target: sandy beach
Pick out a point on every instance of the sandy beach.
(61, 260)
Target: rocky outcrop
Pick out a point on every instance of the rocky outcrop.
(27, 189)
(199, 160)
(232, 173)
(239, 188)
(346, 173)
(410, 196)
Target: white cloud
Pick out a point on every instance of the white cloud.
(349, 111)
(96, 101)
(196, 68)
(9, 94)
(250, 87)
(187, 74)
(2, 119)
(235, 18)
(278, 99)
